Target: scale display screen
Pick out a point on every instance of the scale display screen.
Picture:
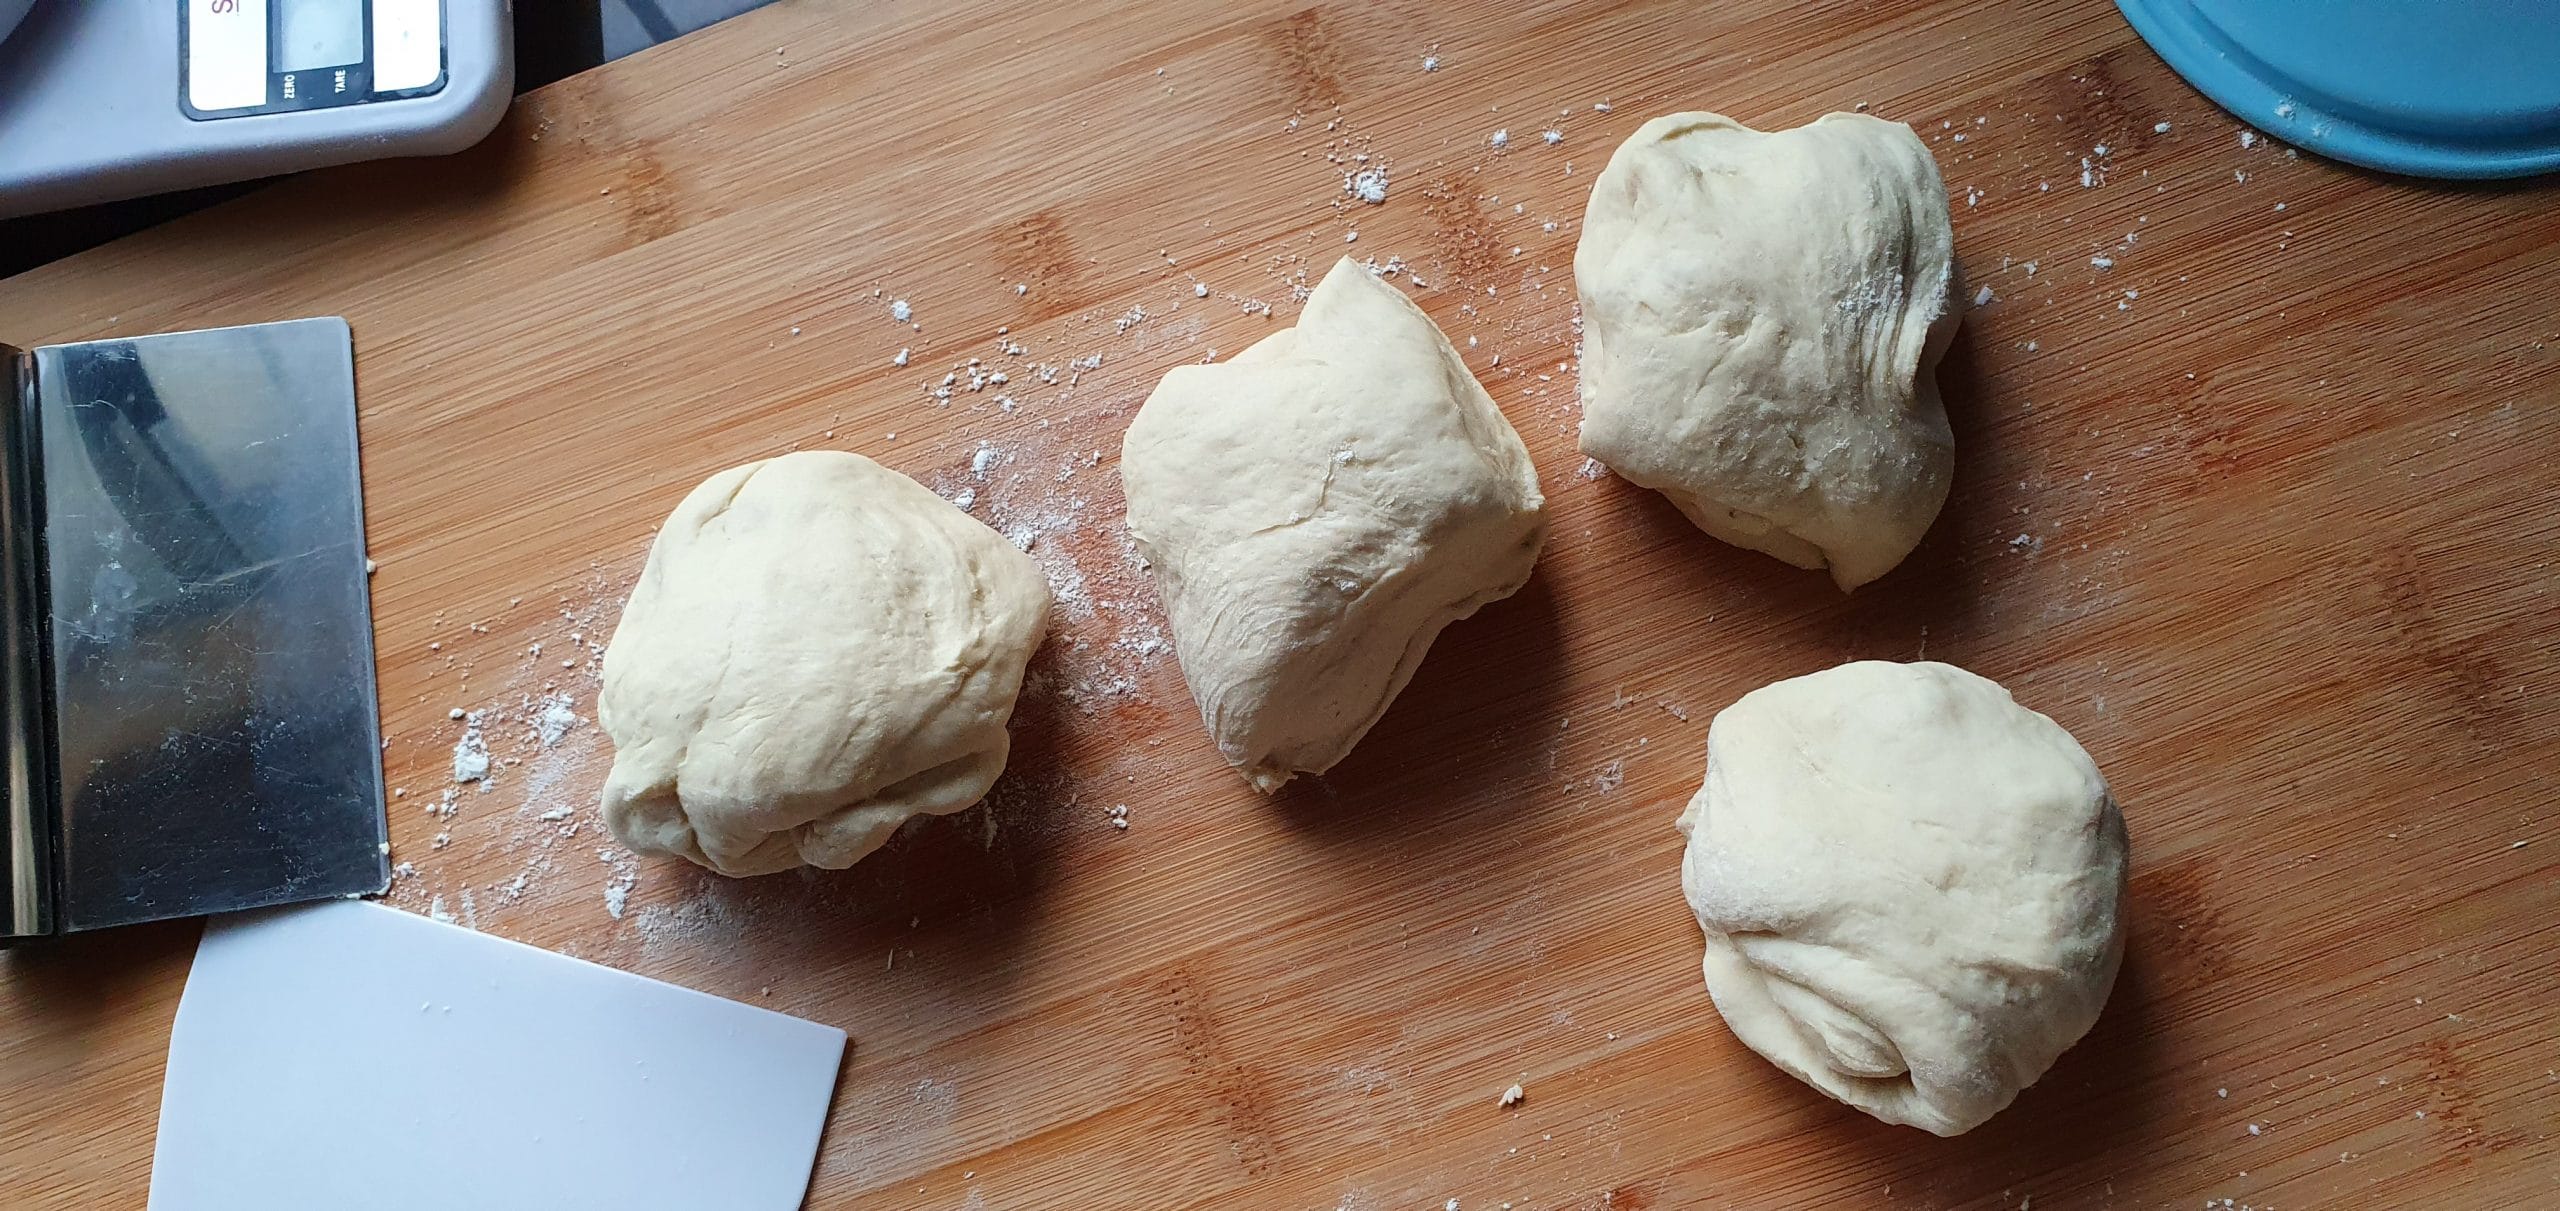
(240, 57)
(318, 33)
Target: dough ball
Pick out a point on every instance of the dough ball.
(1909, 887)
(818, 649)
(1762, 319)
(1315, 511)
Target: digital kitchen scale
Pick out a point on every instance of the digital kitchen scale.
(106, 99)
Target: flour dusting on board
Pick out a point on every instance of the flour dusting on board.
(525, 747)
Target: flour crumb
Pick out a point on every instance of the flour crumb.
(1610, 778)
(900, 311)
(617, 893)
(2159, 128)
(1199, 290)
(1431, 63)
(2248, 139)
(901, 359)
(1982, 297)
(559, 714)
(1593, 468)
(1552, 137)
(966, 499)
(1369, 185)
(1500, 139)
(471, 753)
(437, 910)
(2026, 544)
(2103, 262)
(1513, 1096)
(983, 461)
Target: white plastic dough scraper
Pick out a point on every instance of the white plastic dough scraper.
(107, 99)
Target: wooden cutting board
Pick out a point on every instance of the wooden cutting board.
(2258, 491)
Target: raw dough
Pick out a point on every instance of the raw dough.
(1316, 510)
(1909, 887)
(1762, 320)
(818, 650)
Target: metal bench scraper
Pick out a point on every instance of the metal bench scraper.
(189, 707)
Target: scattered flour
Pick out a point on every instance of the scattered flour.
(618, 885)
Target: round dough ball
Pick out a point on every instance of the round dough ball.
(818, 650)
(1909, 887)
(1316, 510)
(1762, 318)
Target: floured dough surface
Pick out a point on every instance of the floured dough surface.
(1316, 511)
(818, 650)
(1909, 886)
(1762, 317)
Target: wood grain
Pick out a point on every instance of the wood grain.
(2264, 513)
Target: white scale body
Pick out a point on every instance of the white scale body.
(106, 99)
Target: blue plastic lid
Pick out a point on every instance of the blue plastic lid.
(2433, 88)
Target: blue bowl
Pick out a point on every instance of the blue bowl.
(2466, 89)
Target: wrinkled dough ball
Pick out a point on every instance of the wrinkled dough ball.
(1909, 886)
(1762, 320)
(818, 650)
(1315, 511)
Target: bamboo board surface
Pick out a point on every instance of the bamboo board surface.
(2264, 512)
